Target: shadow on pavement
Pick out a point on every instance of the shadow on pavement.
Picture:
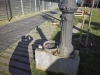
(19, 62)
(49, 17)
(39, 41)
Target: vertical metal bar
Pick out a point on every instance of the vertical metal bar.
(35, 6)
(53, 3)
(6, 10)
(22, 7)
(30, 6)
(10, 9)
(43, 4)
(39, 6)
(50, 3)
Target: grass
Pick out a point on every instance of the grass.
(77, 19)
(90, 57)
(95, 26)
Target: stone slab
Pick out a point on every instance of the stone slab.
(25, 59)
(4, 68)
(23, 49)
(17, 58)
(19, 52)
(49, 62)
(16, 55)
(12, 71)
(16, 64)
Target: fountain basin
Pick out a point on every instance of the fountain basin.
(50, 46)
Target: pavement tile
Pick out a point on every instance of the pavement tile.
(22, 49)
(12, 71)
(15, 64)
(4, 68)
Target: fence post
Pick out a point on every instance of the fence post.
(6, 10)
(30, 6)
(10, 9)
(22, 7)
(43, 4)
(50, 4)
(39, 6)
(35, 6)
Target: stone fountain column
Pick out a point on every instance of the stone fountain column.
(67, 7)
(62, 59)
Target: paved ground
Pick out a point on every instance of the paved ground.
(17, 59)
(12, 32)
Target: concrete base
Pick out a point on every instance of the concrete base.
(49, 62)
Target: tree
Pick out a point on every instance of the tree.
(88, 29)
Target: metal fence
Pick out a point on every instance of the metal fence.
(11, 8)
(2, 9)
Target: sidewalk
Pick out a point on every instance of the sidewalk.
(12, 32)
(17, 59)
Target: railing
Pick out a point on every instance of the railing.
(11, 8)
